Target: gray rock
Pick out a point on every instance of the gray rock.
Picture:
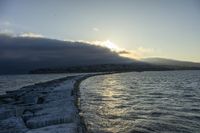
(30, 99)
(42, 108)
(62, 128)
(12, 125)
(27, 114)
(6, 112)
(51, 119)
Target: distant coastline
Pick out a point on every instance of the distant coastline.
(139, 67)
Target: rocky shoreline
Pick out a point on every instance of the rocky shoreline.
(50, 107)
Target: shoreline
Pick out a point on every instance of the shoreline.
(45, 107)
(77, 95)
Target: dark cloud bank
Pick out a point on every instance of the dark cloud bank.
(22, 54)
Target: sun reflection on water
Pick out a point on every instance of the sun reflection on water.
(107, 104)
(141, 102)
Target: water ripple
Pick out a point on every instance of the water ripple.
(147, 102)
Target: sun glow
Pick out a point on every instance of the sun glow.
(111, 45)
(114, 48)
(108, 44)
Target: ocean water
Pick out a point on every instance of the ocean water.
(142, 102)
(13, 82)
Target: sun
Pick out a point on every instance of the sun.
(111, 45)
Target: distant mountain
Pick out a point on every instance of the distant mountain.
(128, 67)
(170, 63)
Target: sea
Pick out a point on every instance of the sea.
(14, 82)
(142, 102)
(134, 102)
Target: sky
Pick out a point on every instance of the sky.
(144, 28)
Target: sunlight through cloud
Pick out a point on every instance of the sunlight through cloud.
(30, 34)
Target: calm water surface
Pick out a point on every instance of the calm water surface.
(146, 102)
(13, 82)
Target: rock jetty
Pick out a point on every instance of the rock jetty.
(49, 107)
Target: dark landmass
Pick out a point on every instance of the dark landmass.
(101, 68)
(147, 64)
(173, 64)
(138, 67)
(22, 55)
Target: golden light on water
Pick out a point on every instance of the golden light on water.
(108, 93)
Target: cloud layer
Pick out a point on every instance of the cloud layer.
(22, 54)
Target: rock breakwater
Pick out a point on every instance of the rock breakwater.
(49, 107)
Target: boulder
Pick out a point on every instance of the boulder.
(6, 112)
(50, 119)
(62, 128)
(13, 125)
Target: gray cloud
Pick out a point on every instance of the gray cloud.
(22, 54)
(124, 52)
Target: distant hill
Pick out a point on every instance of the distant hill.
(147, 64)
(170, 63)
(137, 66)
